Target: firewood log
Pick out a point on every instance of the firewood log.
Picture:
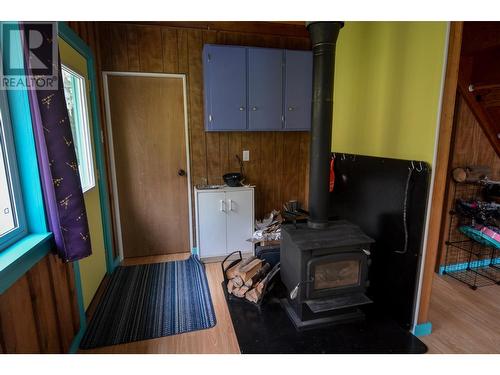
(233, 271)
(230, 286)
(247, 267)
(240, 292)
(237, 282)
(259, 275)
(252, 295)
(251, 271)
(260, 286)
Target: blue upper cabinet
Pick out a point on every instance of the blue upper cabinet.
(256, 89)
(224, 70)
(265, 89)
(298, 90)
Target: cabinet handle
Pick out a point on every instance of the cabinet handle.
(242, 108)
(230, 204)
(222, 205)
(254, 108)
(291, 108)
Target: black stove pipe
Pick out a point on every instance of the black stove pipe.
(323, 37)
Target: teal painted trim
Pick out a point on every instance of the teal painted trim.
(423, 329)
(450, 268)
(70, 37)
(29, 177)
(17, 259)
(73, 39)
(116, 262)
(195, 251)
(75, 344)
(8, 147)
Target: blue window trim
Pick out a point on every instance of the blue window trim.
(9, 151)
(24, 254)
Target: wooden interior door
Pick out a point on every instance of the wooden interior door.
(148, 135)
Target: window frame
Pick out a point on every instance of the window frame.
(12, 167)
(23, 254)
(82, 103)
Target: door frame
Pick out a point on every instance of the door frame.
(111, 151)
(436, 205)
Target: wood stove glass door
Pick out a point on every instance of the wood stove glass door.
(336, 274)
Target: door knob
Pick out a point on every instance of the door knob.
(242, 108)
(254, 108)
(181, 172)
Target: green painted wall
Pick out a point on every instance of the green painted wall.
(387, 88)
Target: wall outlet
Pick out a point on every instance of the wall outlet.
(246, 155)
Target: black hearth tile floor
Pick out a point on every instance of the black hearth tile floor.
(268, 330)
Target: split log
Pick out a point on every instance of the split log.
(259, 275)
(260, 286)
(240, 292)
(233, 271)
(255, 294)
(237, 282)
(230, 273)
(230, 286)
(252, 295)
(250, 269)
(247, 267)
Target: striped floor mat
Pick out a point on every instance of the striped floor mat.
(152, 300)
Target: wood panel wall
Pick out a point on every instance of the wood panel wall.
(470, 147)
(39, 312)
(278, 163)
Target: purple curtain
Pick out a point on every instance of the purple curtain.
(57, 162)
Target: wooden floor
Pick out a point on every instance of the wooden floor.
(219, 339)
(463, 320)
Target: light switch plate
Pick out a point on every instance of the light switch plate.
(246, 155)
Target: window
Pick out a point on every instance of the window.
(12, 221)
(76, 101)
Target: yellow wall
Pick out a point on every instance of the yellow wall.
(387, 88)
(93, 268)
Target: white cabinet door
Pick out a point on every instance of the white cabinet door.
(211, 224)
(239, 220)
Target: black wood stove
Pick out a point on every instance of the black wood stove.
(325, 271)
(324, 264)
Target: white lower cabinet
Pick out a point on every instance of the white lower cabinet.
(224, 220)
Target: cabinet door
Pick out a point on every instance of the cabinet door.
(265, 89)
(225, 87)
(298, 89)
(212, 224)
(240, 218)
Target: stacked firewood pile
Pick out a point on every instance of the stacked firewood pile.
(248, 278)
